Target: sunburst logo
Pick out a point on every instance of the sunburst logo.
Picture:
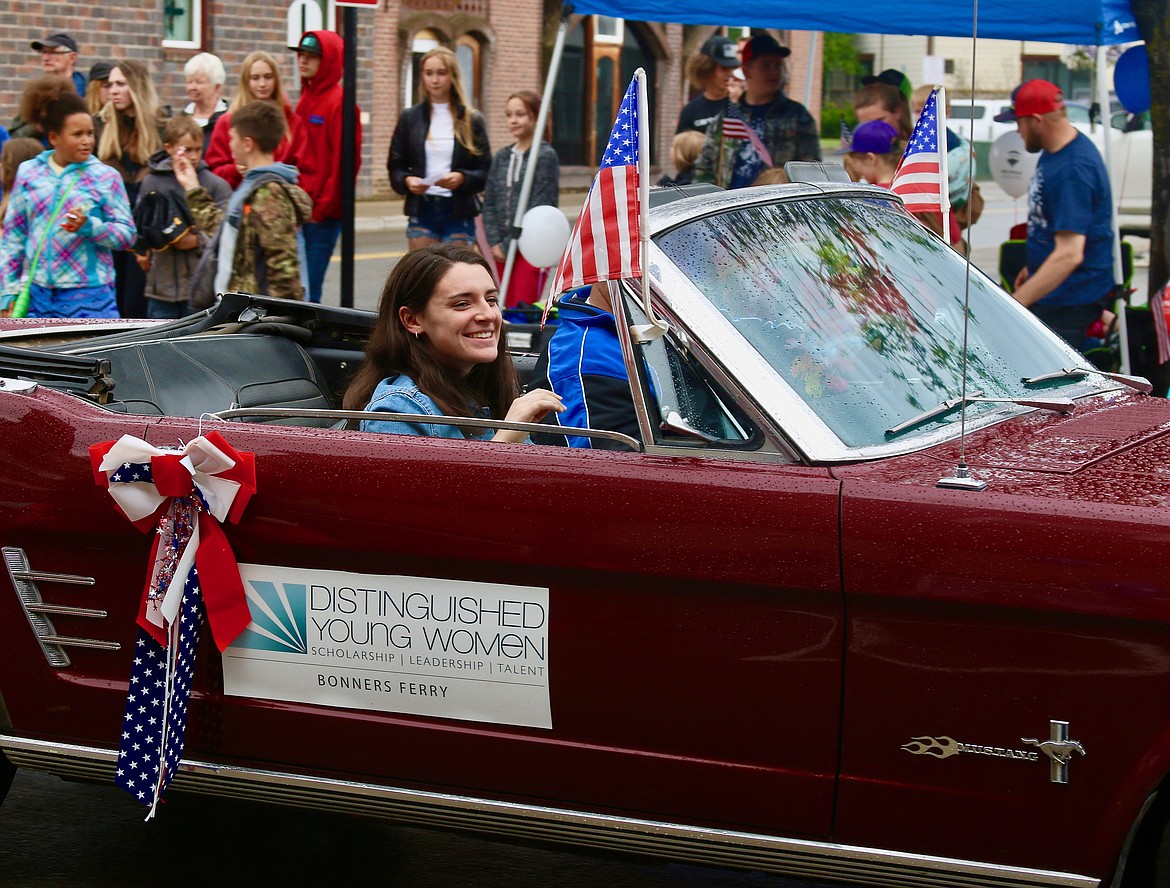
(278, 617)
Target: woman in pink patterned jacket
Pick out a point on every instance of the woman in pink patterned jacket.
(68, 213)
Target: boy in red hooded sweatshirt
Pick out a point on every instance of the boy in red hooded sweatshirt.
(320, 56)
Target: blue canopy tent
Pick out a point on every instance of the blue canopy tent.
(1089, 22)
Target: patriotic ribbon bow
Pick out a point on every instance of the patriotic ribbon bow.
(183, 495)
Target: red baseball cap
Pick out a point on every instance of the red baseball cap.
(1033, 97)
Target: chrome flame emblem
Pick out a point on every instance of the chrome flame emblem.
(939, 747)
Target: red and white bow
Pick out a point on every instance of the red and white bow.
(206, 480)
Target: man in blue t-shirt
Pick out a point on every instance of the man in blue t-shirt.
(1069, 272)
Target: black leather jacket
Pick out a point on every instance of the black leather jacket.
(408, 157)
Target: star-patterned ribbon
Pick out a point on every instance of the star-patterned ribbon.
(182, 495)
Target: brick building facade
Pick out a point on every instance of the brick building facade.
(504, 44)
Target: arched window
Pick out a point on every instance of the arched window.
(424, 42)
(595, 70)
(467, 52)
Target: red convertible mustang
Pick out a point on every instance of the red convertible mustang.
(766, 636)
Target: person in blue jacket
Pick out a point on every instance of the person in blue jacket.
(583, 365)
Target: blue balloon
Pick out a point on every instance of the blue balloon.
(1131, 80)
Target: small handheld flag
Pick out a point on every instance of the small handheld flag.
(735, 127)
(921, 177)
(605, 244)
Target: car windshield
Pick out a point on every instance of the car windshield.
(859, 310)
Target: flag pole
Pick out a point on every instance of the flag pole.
(654, 329)
(944, 185)
(550, 83)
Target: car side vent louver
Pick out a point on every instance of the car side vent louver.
(24, 580)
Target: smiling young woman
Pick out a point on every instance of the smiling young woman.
(435, 350)
(259, 81)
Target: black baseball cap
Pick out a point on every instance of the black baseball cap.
(55, 41)
(762, 45)
(723, 50)
(311, 43)
(100, 71)
(891, 77)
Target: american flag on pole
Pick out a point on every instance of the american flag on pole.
(155, 723)
(735, 127)
(605, 244)
(1158, 310)
(921, 177)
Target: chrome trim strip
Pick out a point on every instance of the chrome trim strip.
(16, 561)
(713, 847)
(67, 611)
(469, 421)
(94, 644)
(47, 577)
(111, 326)
(17, 386)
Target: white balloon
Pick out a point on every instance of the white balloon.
(544, 235)
(1011, 164)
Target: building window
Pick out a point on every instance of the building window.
(183, 23)
(467, 53)
(424, 42)
(607, 29)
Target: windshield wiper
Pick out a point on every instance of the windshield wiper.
(1058, 405)
(1139, 383)
(948, 406)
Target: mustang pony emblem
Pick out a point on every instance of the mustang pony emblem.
(1057, 750)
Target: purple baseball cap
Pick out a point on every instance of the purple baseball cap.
(874, 135)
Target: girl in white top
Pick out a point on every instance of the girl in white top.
(439, 157)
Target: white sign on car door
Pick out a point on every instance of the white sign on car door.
(418, 645)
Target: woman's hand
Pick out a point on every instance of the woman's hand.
(143, 260)
(188, 241)
(498, 253)
(415, 185)
(530, 407)
(185, 173)
(452, 181)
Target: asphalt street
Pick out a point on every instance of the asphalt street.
(55, 834)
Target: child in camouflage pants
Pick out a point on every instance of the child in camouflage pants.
(259, 248)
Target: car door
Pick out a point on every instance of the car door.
(693, 626)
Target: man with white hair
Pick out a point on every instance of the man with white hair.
(205, 77)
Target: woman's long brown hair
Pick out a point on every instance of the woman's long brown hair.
(392, 350)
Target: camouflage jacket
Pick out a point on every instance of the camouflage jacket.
(790, 133)
(266, 259)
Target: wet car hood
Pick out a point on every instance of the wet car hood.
(1101, 429)
(1115, 450)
